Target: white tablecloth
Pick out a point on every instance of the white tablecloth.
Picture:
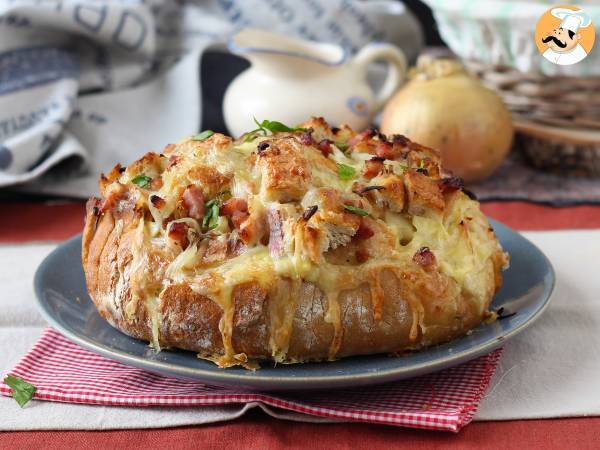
(550, 370)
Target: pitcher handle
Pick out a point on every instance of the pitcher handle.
(396, 62)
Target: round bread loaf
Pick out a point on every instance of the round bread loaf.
(290, 245)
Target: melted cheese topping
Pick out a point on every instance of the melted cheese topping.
(459, 238)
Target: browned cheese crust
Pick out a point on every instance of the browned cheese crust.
(307, 245)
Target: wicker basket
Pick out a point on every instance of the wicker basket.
(568, 102)
(557, 119)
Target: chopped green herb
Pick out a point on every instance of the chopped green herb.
(214, 217)
(141, 181)
(211, 217)
(355, 210)
(212, 209)
(342, 146)
(203, 136)
(269, 125)
(273, 126)
(345, 172)
(22, 390)
(250, 135)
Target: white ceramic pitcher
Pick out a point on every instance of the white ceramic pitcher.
(290, 80)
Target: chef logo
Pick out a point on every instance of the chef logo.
(565, 35)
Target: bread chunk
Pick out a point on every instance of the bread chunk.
(285, 170)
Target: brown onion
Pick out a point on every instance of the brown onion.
(444, 108)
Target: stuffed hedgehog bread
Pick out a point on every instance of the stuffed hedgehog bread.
(290, 244)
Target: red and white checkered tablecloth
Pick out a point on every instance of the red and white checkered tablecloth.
(64, 372)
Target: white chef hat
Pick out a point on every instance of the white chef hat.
(572, 20)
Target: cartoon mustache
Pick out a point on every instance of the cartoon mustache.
(556, 41)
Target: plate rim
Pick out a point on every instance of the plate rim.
(252, 379)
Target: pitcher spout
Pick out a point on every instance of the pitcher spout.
(284, 54)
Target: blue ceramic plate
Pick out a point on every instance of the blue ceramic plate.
(64, 302)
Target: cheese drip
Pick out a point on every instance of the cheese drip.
(146, 291)
(333, 317)
(295, 268)
(218, 284)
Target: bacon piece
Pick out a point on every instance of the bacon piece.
(362, 255)
(275, 221)
(306, 137)
(157, 202)
(238, 217)
(232, 205)
(364, 231)
(173, 159)
(372, 168)
(325, 147)
(388, 150)
(236, 209)
(424, 257)
(385, 150)
(363, 136)
(178, 232)
(194, 202)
